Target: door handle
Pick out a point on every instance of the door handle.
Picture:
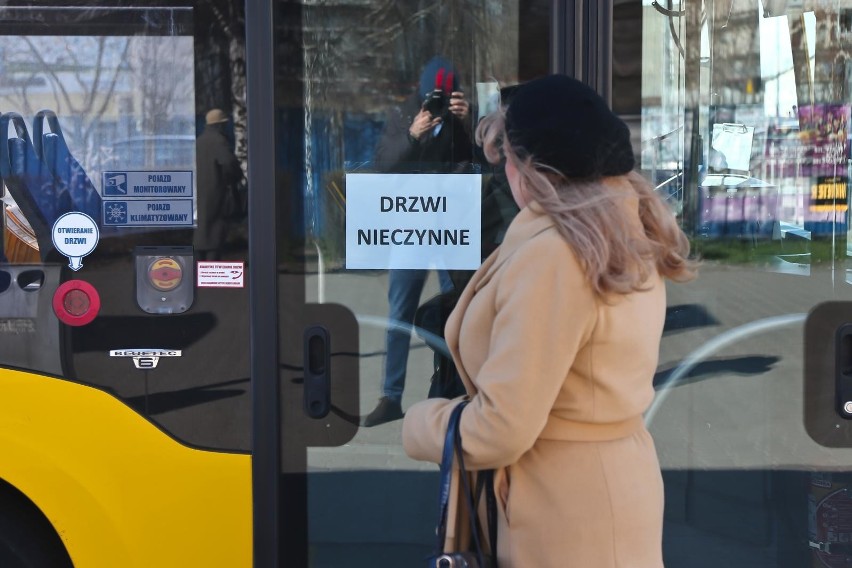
(317, 366)
(828, 374)
(843, 371)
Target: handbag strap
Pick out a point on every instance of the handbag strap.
(446, 475)
(453, 445)
(469, 498)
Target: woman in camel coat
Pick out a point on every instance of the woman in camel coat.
(557, 337)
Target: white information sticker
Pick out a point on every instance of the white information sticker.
(220, 274)
(413, 221)
(75, 235)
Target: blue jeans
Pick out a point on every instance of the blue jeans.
(404, 288)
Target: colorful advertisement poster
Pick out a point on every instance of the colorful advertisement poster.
(823, 135)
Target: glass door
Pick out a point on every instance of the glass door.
(740, 117)
(355, 175)
(743, 113)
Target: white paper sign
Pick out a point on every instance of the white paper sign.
(733, 142)
(487, 98)
(413, 221)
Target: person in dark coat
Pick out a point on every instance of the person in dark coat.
(417, 141)
(218, 171)
(429, 133)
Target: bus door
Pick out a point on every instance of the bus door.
(122, 273)
(369, 223)
(742, 113)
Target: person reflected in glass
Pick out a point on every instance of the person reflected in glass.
(429, 133)
(218, 173)
(556, 338)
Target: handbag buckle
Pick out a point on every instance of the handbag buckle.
(455, 560)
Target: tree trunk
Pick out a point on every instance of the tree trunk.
(237, 52)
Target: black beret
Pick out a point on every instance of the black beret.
(565, 124)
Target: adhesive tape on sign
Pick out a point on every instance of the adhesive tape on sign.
(165, 274)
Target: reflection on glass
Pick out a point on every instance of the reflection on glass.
(770, 72)
(103, 103)
(368, 72)
(105, 90)
(402, 99)
(745, 483)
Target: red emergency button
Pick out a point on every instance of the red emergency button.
(76, 302)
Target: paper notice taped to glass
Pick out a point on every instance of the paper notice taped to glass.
(413, 221)
(730, 145)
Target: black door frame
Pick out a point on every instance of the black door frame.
(263, 281)
(581, 42)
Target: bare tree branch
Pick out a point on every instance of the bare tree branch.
(108, 96)
(49, 71)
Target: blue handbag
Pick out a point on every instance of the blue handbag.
(476, 557)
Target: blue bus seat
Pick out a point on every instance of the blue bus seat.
(40, 195)
(54, 151)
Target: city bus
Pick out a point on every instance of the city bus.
(165, 402)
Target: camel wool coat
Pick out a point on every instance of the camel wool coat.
(558, 380)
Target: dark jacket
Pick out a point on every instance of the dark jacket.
(218, 171)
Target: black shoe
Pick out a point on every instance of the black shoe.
(387, 410)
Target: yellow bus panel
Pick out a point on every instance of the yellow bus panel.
(119, 491)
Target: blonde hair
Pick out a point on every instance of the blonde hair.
(618, 257)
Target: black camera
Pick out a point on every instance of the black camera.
(437, 103)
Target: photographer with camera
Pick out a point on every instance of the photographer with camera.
(436, 106)
(429, 133)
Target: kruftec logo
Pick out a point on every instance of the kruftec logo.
(145, 358)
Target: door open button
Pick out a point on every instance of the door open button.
(76, 303)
